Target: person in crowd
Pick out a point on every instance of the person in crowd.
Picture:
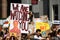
(57, 37)
(54, 30)
(30, 16)
(31, 24)
(1, 33)
(5, 34)
(23, 36)
(31, 27)
(49, 36)
(53, 33)
(37, 35)
(58, 34)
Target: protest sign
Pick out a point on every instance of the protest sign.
(19, 13)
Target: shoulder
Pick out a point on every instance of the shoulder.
(36, 37)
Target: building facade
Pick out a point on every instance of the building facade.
(43, 7)
(54, 9)
(46, 7)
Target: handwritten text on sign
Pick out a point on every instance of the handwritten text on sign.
(20, 12)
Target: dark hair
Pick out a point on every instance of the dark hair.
(58, 31)
(53, 27)
(38, 30)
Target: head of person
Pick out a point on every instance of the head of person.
(32, 22)
(58, 32)
(30, 13)
(38, 31)
(15, 23)
(53, 28)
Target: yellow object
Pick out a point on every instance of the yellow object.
(43, 26)
(13, 34)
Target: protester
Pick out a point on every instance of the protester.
(58, 34)
(30, 16)
(52, 35)
(1, 33)
(5, 34)
(31, 27)
(37, 35)
(23, 36)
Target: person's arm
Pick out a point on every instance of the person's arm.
(28, 36)
(40, 35)
(32, 34)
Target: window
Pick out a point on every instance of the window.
(55, 9)
(46, 7)
(30, 8)
(36, 15)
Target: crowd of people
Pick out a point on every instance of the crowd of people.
(53, 34)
